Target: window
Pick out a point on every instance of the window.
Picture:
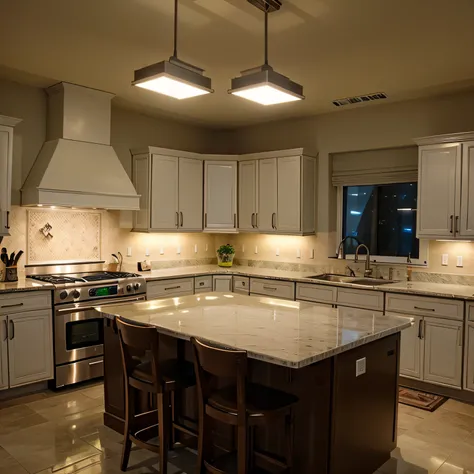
(383, 217)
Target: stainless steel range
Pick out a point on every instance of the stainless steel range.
(78, 329)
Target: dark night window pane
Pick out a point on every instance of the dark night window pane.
(383, 218)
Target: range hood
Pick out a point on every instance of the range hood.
(76, 166)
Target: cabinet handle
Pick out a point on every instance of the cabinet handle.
(11, 305)
(273, 220)
(182, 219)
(251, 220)
(235, 220)
(459, 337)
(269, 288)
(456, 226)
(205, 219)
(452, 225)
(173, 288)
(201, 283)
(96, 362)
(8, 220)
(177, 219)
(423, 309)
(12, 324)
(6, 330)
(420, 330)
(256, 220)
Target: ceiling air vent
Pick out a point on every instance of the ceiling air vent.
(359, 99)
(268, 6)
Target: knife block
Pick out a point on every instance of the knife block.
(11, 274)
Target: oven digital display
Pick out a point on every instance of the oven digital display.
(104, 291)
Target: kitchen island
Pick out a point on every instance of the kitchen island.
(341, 363)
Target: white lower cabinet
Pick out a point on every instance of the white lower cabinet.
(469, 357)
(222, 283)
(443, 351)
(411, 353)
(3, 353)
(30, 347)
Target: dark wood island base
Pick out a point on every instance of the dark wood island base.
(344, 424)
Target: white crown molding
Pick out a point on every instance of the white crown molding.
(446, 138)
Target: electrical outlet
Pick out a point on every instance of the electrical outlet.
(444, 259)
(311, 253)
(147, 252)
(195, 248)
(256, 249)
(178, 249)
(361, 366)
(162, 251)
(459, 261)
(129, 251)
(277, 252)
(298, 253)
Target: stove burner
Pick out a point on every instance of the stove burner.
(81, 278)
(55, 279)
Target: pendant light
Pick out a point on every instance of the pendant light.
(174, 78)
(264, 85)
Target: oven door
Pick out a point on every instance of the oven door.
(79, 329)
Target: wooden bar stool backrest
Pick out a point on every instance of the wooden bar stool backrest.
(213, 363)
(139, 344)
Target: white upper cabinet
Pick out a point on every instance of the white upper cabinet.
(285, 189)
(6, 153)
(248, 205)
(171, 189)
(267, 195)
(445, 176)
(220, 196)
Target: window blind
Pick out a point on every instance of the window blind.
(391, 165)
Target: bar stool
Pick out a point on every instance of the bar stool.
(146, 373)
(241, 404)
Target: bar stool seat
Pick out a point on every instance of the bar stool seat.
(261, 402)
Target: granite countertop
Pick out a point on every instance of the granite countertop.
(418, 288)
(23, 284)
(287, 333)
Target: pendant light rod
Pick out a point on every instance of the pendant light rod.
(266, 37)
(175, 52)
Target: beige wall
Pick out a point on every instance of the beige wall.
(373, 127)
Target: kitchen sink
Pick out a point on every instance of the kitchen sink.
(334, 277)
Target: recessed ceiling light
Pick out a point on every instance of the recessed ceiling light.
(264, 85)
(174, 78)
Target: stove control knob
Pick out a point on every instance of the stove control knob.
(63, 295)
(129, 288)
(136, 286)
(76, 294)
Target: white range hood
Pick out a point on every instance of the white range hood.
(76, 166)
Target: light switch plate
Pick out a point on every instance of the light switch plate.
(277, 252)
(311, 253)
(459, 261)
(129, 251)
(195, 248)
(243, 248)
(147, 252)
(361, 366)
(256, 249)
(178, 249)
(298, 253)
(162, 251)
(444, 259)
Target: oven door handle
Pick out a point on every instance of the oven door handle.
(81, 309)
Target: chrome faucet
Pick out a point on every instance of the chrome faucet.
(368, 270)
(341, 253)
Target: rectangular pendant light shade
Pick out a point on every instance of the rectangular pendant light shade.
(173, 78)
(266, 87)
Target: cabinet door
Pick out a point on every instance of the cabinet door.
(6, 138)
(267, 195)
(141, 179)
(3, 353)
(289, 194)
(220, 203)
(443, 351)
(30, 347)
(247, 194)
(469, 358)
(411, 349)
(438, 182)
(465, 226)
(222, 283)
(164, 193)
(190, 194)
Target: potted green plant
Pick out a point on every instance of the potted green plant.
(225, 255)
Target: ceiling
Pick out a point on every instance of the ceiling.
(334, 48)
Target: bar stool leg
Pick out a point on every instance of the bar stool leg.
(289, 432)
(129, 424)
(163, 429)
(242, 449)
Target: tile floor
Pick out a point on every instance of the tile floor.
(62, 433)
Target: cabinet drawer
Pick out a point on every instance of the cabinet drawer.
(241, 285)
(168, 288)
(425, 306)
(318, 293)
(11, 303)
(276, 288)
(203, 282)
(365, 299)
